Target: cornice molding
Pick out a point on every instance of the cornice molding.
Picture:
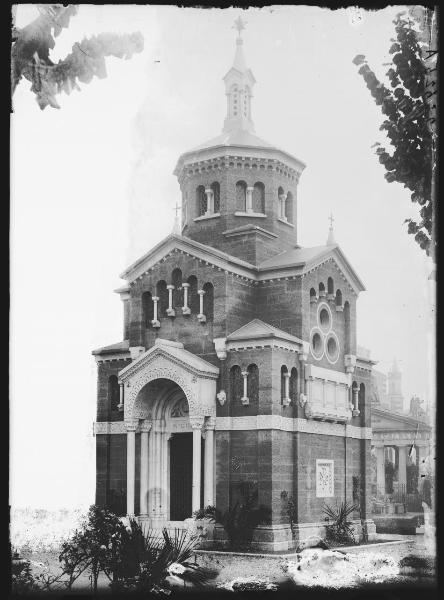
(260, 422)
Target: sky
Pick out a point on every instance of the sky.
(92, 189)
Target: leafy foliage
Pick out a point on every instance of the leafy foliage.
(32, 44)
(150, 562)
(406, 109)
(208, 512)
(390, 471)
(94, 547)
(240, 520)
(290, 510)
(339, 530)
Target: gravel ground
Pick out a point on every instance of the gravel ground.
(233, 567)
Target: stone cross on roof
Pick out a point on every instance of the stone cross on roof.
(239, 25)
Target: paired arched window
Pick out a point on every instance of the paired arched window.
(193, 296)
(330, 286)
(176, 280)
(201, 201)
(113, 393)
(259, 197)
(215, 187)
(147, 308)
(208, 301)
(241, 196)
(321, 289)
(289, 207)
(162, 294)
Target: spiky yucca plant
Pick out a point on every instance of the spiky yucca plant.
(340, 530)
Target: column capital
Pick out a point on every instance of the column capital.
(185, 285)
(250, 188)
(155, 298)
(210, 423)
(131, 425)
(170, 286)
(196, 422)
(286, 374)
(145, 426)
(201, 292)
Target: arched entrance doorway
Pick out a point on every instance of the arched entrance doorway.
(169, 398)
(166, 462)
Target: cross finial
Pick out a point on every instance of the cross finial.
(331, 219)
(239, 25)
(176, 226)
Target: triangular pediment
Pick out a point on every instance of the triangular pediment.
(304, 260)
(385, 420)
(257, 330)
(177, 243)
(173, 353)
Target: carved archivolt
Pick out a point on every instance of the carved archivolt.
(186, 381)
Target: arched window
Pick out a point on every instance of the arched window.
(201, 201)
(253, 383)
(284, 373)
(113, 393)
(241, 196)
(162, 294)
(236, 384)
(338, 298)
(281, 203)
(330, 286)
(176, 280)
(293, 385)
(361, 398)
(321, 289)
(289, 207)
(247, 96)
(259, 197)
(193, 296)
(234, 100)
(148, 308)
(313, 295)
(208, 301)
(347, 332)
(216, 196)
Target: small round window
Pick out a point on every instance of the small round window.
(324, 318)
(316, 344)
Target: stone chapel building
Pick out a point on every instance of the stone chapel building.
(238, 361)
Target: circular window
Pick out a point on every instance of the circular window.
(332, 348)
(316, 344)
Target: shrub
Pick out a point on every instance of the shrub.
(243, 517)
(340, 530)
(290, 510)
(209, 512)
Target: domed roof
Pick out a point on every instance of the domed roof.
(238, 133)
(238, 137)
